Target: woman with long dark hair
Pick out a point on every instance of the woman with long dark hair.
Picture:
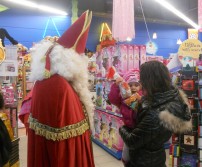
(164, 110)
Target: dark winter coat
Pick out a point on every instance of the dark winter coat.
(5, 144)
(168, 113)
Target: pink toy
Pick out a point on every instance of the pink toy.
(106, 92)
(104, 128)
(99, 93)
(142, 54)
(116, 58)
(8, 94)
(123, 86)
(97, 123)
(131, 57)
(136, 53)
(98, 64)
(157, 58)
(115, 140)
(124, 58)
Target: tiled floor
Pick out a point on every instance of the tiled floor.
(102, 158)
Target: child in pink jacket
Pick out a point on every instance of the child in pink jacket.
(127, 106)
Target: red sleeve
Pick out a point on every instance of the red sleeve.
(114, 95)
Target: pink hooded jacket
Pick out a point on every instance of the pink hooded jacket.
(129, 116)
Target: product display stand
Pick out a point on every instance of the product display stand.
(184, 148)
(13, 114)
(107, 121)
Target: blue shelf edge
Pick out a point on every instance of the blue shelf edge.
(117, 154)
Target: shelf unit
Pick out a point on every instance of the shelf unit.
(184, 150)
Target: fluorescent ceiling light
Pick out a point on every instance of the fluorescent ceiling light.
(40, 7)
(177, 12)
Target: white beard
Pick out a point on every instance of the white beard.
(68, 64)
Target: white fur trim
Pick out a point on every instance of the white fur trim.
(174, 123)
(184, 96)
(68, 64)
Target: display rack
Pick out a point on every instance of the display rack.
(184, 150)
(12, 112)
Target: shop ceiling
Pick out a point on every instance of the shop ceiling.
(153, 11)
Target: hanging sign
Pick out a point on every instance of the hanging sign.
(151, 48)
(190, 48)
(192, 34)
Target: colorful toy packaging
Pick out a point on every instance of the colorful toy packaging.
(99, 93)
(97, 123)
(124, 58)
(189, 160)
(104, 128)
(131, 61)
(8, 94)
(115, 140)
(142, 54)
(123, 86)
(136, 62)
(98, 64)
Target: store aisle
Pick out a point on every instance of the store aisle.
(102, 158)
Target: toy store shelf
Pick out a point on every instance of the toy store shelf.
(117, 154)
(107, 111)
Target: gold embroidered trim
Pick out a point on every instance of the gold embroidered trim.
(47, 74)
(58, 134)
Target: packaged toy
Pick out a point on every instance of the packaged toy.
(123, 86)
(99, 93)
(97, 123)
(124, 58)
(142, 54)
(136, 53)
(104, 135)
(131, 61)
(116, 140)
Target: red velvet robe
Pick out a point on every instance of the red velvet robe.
(56, 104)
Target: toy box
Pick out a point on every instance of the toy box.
(124, 58)
(104, 63)
(189, 143)
(104, 133)
(116, 58)
(8, 94)
(157, 58)
(130, 57)
(106, 91)
(142, 54)
(106, 60)
(200, 131)
(136, 53)
(175, 138)
(99, 93)
(97, 123)
(188, 160)
(175, 161)
(98, 64)
(188, 85)
(115, 140)
(200, 155)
